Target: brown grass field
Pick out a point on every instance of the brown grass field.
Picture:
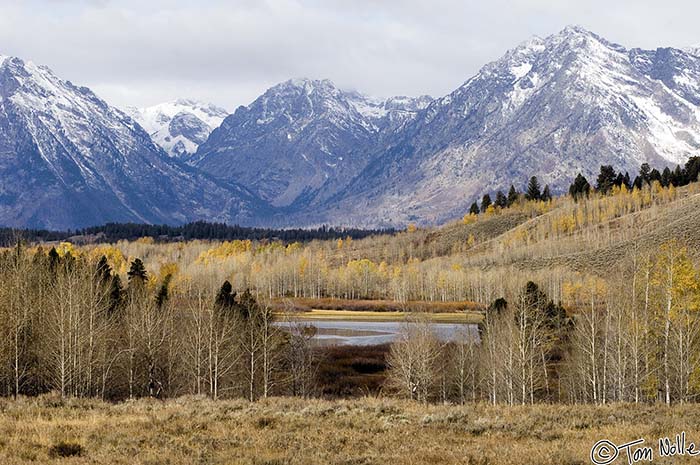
(295, 431)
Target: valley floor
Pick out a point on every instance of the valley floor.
(364, 431)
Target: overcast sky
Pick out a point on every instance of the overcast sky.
(143, 52)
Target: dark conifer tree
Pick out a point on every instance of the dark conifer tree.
(116, 294)
(692, 169)
(677, 177)
(655, 175)
(638, 182)
(533, 189)
(580, 188)
(666, 177)
(619, 179)
(474, 209)
(512, 195)
(606, 179)
(137, 272)
(626, 180)
(645, 173)
(485, 203)
(226, 298)
(104, 271)
(499, 305)
(247, 305)
(68, 261)
(501, 200)
(54, 259)
(163, 292)
(546, 194)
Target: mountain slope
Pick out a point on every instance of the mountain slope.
(67, 159)
(179, 127)
(550, 107)
(302, 140)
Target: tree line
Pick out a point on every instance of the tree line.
(581, 187)
(534, 193)
(112, 232)
(608, 179)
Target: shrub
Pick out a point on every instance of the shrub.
(66, 449)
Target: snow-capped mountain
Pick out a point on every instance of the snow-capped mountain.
(550, 107)
(306, 152)
(302, 140)
(67, 159)
(180, 126)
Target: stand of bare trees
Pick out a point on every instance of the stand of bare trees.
(72, 327)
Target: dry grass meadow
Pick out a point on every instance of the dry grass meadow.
(296, 431)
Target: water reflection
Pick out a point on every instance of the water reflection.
(364, 333)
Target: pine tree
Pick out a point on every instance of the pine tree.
(104, 271)
(474, 209)
(606, 179)
(533, 189)
(499, 305)
(54, 259)
(677, 177)
(644, 173)
(137, 272)
(546, 194)
(226, 298)
(655, 175)
(638, 182)
(116, 294)
(666, 177)
(512, 195)
(501, 200)
(163, 292)
(619, 179)
(626, 181)
(692, 169)
(248, 305)
(580, 188)
(485, 203)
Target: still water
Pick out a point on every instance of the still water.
(364, 333)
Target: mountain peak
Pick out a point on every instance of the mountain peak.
(181, 125)
(306, 85)
(575, 29)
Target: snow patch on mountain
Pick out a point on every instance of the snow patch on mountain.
(180, 126)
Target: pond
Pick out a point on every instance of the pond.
(365, 333)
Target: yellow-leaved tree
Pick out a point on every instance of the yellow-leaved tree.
(677, 298)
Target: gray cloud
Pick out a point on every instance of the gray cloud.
(144, 52)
